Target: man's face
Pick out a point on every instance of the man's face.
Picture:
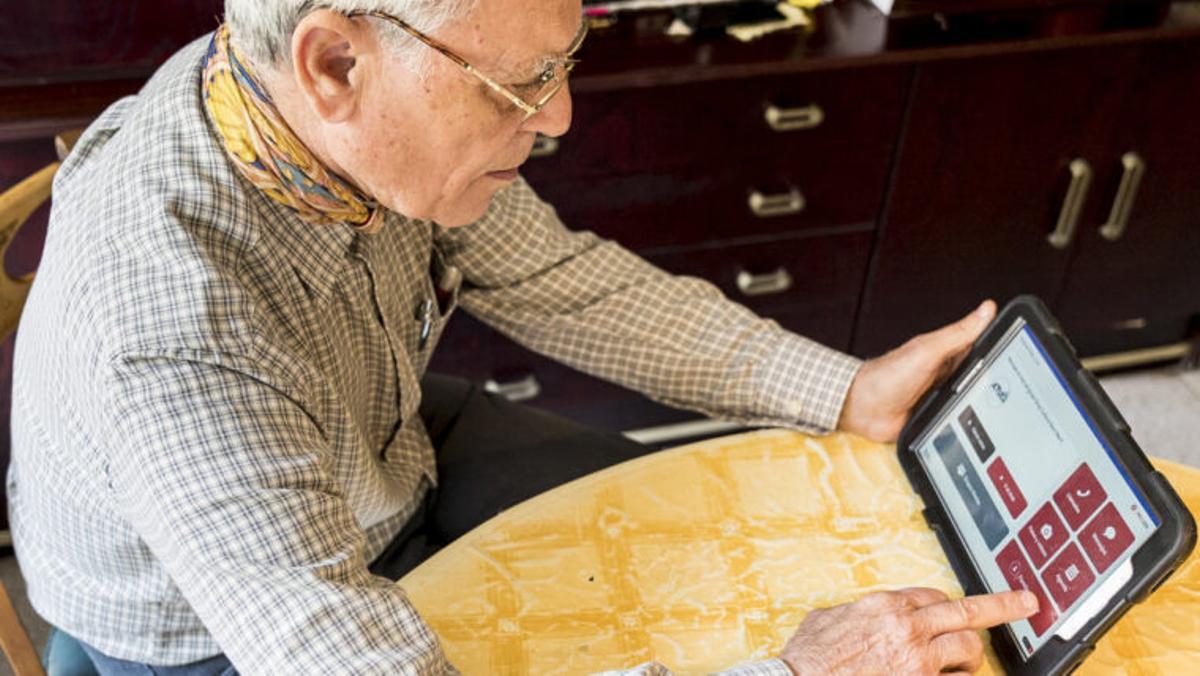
(440, 147)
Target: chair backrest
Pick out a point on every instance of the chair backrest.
(17, 204)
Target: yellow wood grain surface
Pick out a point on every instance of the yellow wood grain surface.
(707, 555)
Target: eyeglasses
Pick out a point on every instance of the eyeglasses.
(540, 90)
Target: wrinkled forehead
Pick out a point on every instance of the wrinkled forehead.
(509, 36)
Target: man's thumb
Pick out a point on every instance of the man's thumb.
(962, 333)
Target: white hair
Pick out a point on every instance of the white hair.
(262, 29)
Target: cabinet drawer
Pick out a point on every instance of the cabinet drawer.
(646, 211)
(830, 119)
(783, 273)
(815, 119)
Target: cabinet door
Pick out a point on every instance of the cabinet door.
(1139, 285)
(979, 183)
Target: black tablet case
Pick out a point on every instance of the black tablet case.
(1153, 562)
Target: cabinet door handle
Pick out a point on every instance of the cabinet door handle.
(1072, 206)
(782, 204)
(766, 284)
(794, 119)
(1127, 191)
(515, 390)
(544, 146)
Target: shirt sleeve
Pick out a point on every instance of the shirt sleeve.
(599, 308)
(772, 667)
(226, 477)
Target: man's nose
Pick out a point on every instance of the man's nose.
(554, 119)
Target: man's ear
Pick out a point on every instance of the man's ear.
(326, 49)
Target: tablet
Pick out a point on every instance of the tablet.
(1032, 480)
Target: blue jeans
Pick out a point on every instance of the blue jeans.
(64, 656)
(68, 656)
(111, 666)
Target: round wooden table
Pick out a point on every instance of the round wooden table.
(707, 555)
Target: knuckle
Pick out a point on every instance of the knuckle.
(875, 600)
(913, 627)
(902, 625)
(889, 625)
(974, 644)
(964, 643)
(968, 610)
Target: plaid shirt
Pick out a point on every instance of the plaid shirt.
(215, 423)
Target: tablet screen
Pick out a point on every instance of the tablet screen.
(1032, 488)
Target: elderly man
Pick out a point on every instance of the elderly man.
(224, 448)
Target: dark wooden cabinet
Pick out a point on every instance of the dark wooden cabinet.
(958, 170)
(681, 164)
(981, 181)
(1135, 278)
(858, 183)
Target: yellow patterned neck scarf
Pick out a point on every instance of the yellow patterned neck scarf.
(262, 146)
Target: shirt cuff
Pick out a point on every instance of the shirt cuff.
(806, 383)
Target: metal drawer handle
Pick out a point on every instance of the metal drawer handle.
(544, 146)
(1118, 218)
(1072, 206)
(517, 390)
(782, 204)
(793, 119)
(766, 284)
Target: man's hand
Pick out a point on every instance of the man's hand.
(911, 631)
(886, 388)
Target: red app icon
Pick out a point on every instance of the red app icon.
(1043, 535)
(1079, 496)
(1067, 577)
(1006, 487)
(1020, 576)
(1106, 537)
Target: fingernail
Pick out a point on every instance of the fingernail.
(1031, 602)
(984, 314)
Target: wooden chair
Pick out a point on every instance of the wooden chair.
(17, 204)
